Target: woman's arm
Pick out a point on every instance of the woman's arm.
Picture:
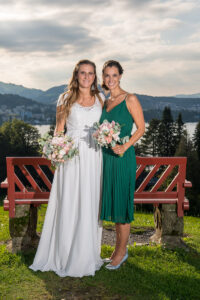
(136, 112)
(60, 119)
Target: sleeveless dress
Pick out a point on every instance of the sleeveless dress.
(118, 172)
(70, 242)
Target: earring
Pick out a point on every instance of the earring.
(93, 87)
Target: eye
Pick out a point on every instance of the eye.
(91, 73)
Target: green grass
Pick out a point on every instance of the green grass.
(151, 272)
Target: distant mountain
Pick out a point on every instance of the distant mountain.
(177, 104)
(51, 95)
(188, 96)
(47, 97)
(188, 105)
(153, 107)
(12, 101)
(10, 88)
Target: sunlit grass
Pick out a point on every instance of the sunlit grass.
(151, 272)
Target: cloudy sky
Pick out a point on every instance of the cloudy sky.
(156, 41)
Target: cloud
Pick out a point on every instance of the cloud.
(155, 40)
(58, 3)
(36, 36)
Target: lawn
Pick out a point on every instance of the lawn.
(151, 272)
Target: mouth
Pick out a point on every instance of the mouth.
(111, 84)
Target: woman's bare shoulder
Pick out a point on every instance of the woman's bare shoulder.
(132, 98)
(132, 101)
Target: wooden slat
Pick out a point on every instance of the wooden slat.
(29, 177)
(5, 204)
(154, 201)
(31, 201)
(19, 184)
(155, 195)
(161, 160)
(32, 195)
(172, 184)
(140, 170)
(4, 184)
(187, 184)
(162, 178)
(44, 177)
(186, 204)
(11, 190)
(148, 178)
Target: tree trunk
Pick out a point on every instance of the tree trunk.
(169, 227)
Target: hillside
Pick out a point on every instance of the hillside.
(28, 110)
(15, 100)
(46, 97)
(188, 96)
(51, 95)
(152, 106)
(10, 88)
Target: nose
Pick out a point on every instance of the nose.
(86, 75)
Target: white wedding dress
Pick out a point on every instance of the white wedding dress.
(70, 242)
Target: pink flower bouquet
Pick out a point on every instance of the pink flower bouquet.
(107, 134)
(58, 148)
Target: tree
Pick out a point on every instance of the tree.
(4, 149)
(21, 137)
(52, 127)
(179, 129)
(186, 148)
(17, 138)
(196, 139)
(149, 142)
(166, 134)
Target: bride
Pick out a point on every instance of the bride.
(70, 242)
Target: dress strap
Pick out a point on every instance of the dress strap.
(126, 97)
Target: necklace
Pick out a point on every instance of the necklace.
(113, 98)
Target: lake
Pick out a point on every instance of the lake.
(190, 128)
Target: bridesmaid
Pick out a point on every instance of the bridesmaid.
(119, 163)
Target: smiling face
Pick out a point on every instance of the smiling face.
(111, 77)
(86, 75)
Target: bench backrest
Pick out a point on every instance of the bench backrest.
(155, 177)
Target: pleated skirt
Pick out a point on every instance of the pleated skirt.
(119, 175)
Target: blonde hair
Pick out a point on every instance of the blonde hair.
(73, 91)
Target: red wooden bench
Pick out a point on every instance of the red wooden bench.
(160, 180)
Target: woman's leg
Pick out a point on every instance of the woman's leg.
(122, 231)
(117, 228)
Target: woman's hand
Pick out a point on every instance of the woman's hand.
(119, 149)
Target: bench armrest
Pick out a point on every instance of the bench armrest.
(4, 184)
(187, 184)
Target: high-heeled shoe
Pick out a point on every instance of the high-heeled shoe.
(111, 267)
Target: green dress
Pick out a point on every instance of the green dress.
(118, 172)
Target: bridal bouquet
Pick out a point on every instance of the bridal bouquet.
(58, 148)
(107, 134)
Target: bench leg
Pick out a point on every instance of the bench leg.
(23, 228)
(169, 227)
